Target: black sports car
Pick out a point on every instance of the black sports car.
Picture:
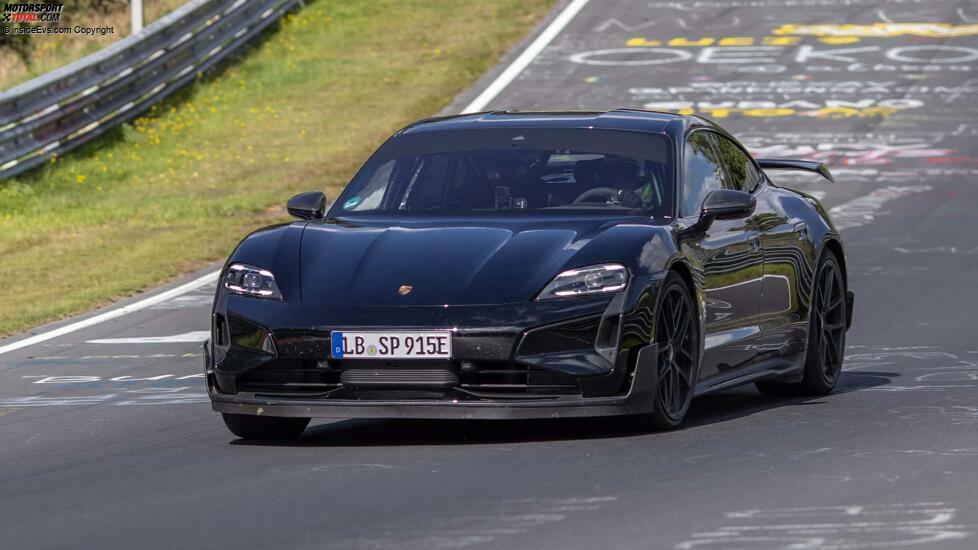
(528, 265)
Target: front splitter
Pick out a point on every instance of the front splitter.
(638, 400)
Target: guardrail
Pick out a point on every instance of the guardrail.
(70, 106)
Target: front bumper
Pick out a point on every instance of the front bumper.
(587, 357)
(638, 400)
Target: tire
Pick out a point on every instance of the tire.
(248, 426)
(826, 336)
(676, 331)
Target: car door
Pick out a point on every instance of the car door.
(728, 258)
(785, 249)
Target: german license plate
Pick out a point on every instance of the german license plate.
(391, 345)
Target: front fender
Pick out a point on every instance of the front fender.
(275, 248)
(644, 249)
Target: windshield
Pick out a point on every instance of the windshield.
(514, 171)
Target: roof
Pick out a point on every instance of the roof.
(618, 119)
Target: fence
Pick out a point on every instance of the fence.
(70, 106)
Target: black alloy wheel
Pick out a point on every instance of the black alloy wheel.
(829, 322)
(826, 335)
(677, 335)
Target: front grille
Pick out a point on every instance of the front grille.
(286, 376)
(478, 380)
(405, 378)
(488, 379)
(393, 395)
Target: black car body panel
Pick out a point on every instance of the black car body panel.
(460, 262)
(478, 275)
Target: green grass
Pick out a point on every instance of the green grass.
(177, 189)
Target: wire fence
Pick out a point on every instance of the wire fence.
(70, 106)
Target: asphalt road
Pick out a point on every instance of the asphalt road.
(107, 440)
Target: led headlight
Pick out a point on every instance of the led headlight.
(249, 280)
(586, 280)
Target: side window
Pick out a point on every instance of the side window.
(701, 173)
(743, 175)
(753, 177)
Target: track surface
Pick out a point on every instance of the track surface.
(111, 443)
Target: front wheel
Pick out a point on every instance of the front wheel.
(248, 426)
(676, 332)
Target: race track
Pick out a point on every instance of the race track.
(107, 439)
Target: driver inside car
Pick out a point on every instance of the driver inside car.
(613, 181)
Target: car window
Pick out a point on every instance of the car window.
(468, 189)
(373, 190)
(516, 170)
(702, 172)
(740, 168)
(426, 184)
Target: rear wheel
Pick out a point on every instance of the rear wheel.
(248, 426)
(677, 335)
(826, 336)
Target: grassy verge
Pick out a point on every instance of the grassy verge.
(177, 189)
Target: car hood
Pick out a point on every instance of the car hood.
(451, 262)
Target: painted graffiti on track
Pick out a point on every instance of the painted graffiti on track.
(889, 98)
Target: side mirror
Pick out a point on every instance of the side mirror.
(727, 204)
(721, 204)
(308, 206)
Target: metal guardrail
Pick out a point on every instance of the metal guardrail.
(70, 106)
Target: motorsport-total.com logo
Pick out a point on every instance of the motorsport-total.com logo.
(30, 18)
(31, 13)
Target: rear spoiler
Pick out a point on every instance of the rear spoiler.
(789, 164)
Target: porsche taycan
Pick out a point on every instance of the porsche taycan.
(533, 265)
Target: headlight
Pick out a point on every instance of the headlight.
(249, 280)
(586, 280)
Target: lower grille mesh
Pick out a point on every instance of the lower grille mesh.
(399, 377)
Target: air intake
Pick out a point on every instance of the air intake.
(403, 378)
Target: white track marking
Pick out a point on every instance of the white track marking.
(203, 299)
(186, 337)
(863, 210)
(836, 527)
(525, 58)
(111, 314)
